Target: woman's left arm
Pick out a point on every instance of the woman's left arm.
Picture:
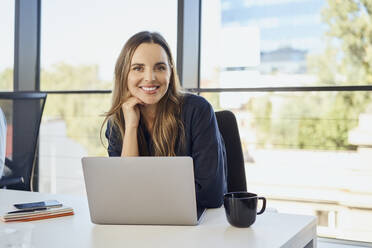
(209, 155)
(113, 137)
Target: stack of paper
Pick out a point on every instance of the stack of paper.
(30, 215)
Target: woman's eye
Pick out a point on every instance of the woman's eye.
(137, 68)
(161, 68)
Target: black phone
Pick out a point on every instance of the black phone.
(41, 204)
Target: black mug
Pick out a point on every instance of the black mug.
(241, 208)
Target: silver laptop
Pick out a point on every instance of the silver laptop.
(141, 190)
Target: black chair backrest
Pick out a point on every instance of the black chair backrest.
(228, 127)
(2, 141)
(23, 112)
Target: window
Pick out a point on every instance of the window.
(70, 131)
(86, 37)
(6, 44)
(283, 43)
(80, 42)
(308, 152)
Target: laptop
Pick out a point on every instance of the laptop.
(141, 190)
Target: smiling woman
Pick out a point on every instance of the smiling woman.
(151, 116)
(146, 63)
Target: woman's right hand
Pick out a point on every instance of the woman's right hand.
(131, 112)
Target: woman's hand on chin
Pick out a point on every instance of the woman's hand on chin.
(131, 112)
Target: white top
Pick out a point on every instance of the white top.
(270, 229)
(2, 141)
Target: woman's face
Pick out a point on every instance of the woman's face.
(149, 73)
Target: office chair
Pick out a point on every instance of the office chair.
(228, 127)
(23, 112)
(2, 141)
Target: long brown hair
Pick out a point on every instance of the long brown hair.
(168, 129)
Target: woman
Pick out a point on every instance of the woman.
(150, 116)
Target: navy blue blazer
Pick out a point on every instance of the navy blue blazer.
(203, 143)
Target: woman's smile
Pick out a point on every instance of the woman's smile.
(150, 89)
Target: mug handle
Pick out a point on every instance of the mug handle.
(263, 204)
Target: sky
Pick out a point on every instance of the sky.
(295, 23)
(94, 31)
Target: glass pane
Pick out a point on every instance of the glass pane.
(80, 44)
(309, 153)
(70, 129)
(6, 44)
(285, 43)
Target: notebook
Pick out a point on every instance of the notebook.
(31, 215)
(141, 190)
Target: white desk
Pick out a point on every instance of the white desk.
(270, 229)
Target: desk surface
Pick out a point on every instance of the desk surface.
(270, 229)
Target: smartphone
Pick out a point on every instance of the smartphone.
(36, 205)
